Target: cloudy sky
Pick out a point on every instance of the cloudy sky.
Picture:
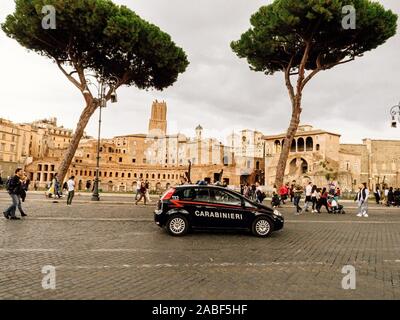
(218, 90)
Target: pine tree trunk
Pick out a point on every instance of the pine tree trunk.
(91, 107)
(291, 131)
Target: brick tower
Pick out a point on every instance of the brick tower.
(158, 120)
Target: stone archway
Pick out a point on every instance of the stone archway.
(298, 167)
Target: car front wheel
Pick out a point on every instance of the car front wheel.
(262, 227)
(177, 225)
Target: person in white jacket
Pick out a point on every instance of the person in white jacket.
(362, 200)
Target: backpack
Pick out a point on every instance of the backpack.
(8, 185)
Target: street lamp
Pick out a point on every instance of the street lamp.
(101, 89)
(393, 112)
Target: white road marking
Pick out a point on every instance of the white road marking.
(15, 250)
(122, 250)
(190, 265)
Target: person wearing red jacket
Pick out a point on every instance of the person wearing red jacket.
(283, 193)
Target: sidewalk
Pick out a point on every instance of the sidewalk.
(102, 194)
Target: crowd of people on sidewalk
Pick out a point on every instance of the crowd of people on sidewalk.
(253, 192)
(318, 197)
(315, 198)
(387, 196)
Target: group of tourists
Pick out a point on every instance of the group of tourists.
(388, 196)
(253, 192)
(315, 198)
(55, 190)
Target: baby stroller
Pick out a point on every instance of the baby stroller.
(334, 206)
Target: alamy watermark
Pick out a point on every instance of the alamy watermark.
(49, 20)
(49, 279)
(349, 280)
(350, 19)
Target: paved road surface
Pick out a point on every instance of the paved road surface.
(113, 250)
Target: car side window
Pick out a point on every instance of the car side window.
(202, 195)
(186, 194)
(222, 197)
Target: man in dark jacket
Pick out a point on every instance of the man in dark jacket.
(14, 188)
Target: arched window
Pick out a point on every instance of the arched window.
(309, 144)
(277, 145)
(257, 165)
(293, 146)
(317, 147)
(300, 145)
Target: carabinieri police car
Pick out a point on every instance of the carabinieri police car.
(187, 207)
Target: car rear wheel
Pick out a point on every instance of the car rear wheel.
(177, 225)
(262, 227)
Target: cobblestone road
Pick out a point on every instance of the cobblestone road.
(113, 250)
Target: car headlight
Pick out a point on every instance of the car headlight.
(277, 213)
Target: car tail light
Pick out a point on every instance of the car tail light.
(167, 195)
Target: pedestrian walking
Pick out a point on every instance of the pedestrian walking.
(283, 193)
(308, 200)
(291, 192)
(390, 197)
(377, 195)
(297, 192)
(323, 201)
(65, 187)
(138, 185)
(385, 194)
(147, 186)
(142, 192)
(14, 189)
(396, 195)
(260, 194)
(247, 191)
(314, 198)
(25, 181)
(71, 190)
(362, 200)
(88, 185)
(253, 196)
(54, 187)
